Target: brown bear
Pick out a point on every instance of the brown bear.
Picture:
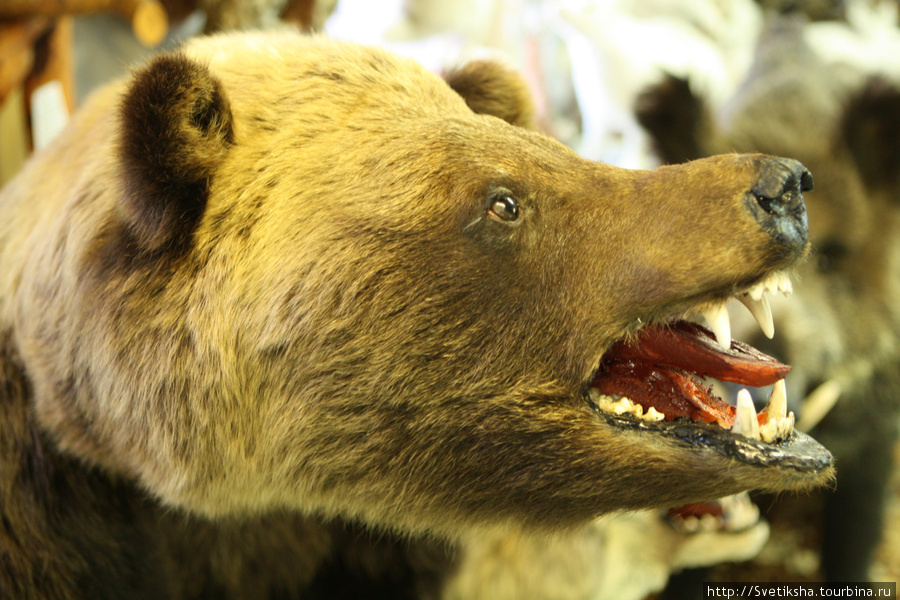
(841, 330)
(278, 314)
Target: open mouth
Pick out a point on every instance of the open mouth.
(655, 380)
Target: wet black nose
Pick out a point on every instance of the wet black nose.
(778, 198)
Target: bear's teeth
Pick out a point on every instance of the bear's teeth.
(653, 415)
(777, 406)
(762, 312)
(780, 423)
(757, 303)
(624, 406)
(716, 316)
(779, 281)
(784, 284)
(739, 512)
(778, 427)
(745, 422)
(776, 430)
(691, 524)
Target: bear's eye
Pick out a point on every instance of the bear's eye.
(504, 208)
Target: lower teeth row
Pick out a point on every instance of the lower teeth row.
(780, 423)
(778, 427)
(738, 514)
(624, 406)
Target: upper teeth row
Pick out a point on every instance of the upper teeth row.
(755, 300)
(779, 281)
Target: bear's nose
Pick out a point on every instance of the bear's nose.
(778, 196)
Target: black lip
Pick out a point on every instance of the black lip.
(799, 452)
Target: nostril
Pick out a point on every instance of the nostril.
(806, 181)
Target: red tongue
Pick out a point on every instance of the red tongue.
(652, 369)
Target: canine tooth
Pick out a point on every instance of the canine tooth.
(653, 415)
(745, 422)
(762, 312)
(717, 318)
(818, 403)
(777, 406)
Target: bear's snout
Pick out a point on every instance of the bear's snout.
(779, 205)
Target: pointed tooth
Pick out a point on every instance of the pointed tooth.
(777, 406)
(762, 312)
(818, 403)
(717, 318)
(745, 422)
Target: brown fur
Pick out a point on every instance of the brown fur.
(279, 291)
(491, 89)
(843, 321)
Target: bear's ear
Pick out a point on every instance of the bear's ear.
(490, 88)
(176, 129)
(678, 121)
(870, 128)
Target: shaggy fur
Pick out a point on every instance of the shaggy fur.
(491, 89)
(254, 308)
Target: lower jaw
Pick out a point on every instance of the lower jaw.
(797, 452)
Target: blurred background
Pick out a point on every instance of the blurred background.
(635, 83)
(586, 60)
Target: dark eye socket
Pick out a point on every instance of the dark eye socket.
(830, 254)
(504, 207)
